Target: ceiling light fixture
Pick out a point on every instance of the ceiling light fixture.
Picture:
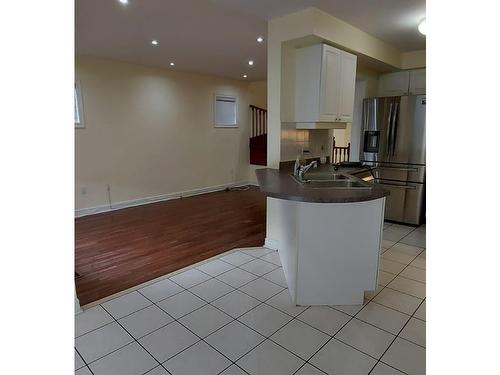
(123, 1)
(154, 42)
(172, 64)
(250, 63)
(422, 27)
(260, 39)
(245, 76)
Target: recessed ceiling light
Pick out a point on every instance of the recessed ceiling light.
(250, 62)
(422, 27)
(245, 76)
(260, 39)
(172, 64)
(154, 42)
(123, 1)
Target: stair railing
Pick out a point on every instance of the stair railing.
(258, 120)
(340, 153)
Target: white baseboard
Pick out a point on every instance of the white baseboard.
(269, 243)
(158, 198)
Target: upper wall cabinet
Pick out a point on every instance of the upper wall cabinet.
(394, 84)
(417, 82)
(409, 82)
(325, 78)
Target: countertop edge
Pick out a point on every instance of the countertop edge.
(276, 183)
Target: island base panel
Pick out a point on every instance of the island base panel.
(329, 251)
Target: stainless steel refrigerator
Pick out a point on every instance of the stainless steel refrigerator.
(393, 144)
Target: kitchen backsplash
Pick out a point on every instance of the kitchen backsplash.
(294, 141)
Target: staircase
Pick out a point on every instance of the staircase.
(258, 139)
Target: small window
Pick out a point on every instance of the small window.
(78, 107)
(225, 111)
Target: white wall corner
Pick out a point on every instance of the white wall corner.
(271, 244)
(78, 309)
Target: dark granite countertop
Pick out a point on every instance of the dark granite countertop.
(279, 183)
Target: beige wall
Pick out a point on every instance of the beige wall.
(150, 132)
(344, 35)
(258, 92)
(413, 59)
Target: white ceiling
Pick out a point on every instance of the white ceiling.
(219, 36)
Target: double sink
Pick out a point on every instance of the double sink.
(329, 180)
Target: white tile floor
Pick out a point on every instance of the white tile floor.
(233, 316)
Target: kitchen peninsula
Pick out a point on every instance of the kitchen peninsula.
(328, 234)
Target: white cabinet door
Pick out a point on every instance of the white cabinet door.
(394, 84)
(417, 82)
(324, 86)
(347, 86)
(330, 84)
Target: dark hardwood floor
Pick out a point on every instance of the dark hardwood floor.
(121, 249)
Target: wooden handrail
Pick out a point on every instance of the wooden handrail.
(254, 106)
(340, 153)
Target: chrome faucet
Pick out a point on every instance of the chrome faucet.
(302, 169)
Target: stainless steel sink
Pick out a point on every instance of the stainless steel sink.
(325, 180)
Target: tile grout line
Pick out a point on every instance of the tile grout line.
(184, 289)
(111, 352)
(405, 339)
(392, 342)
(85, 363)
(188, 289)
(326, 343)
(397, 275)
(182, 316)
(209, 303)
(397, 335)
(237, 319)
(137, 341)
(194, 333)
(355, 317)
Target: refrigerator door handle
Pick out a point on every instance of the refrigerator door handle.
(366, 113)
(399, 169)
(394, 127)
(407, 187)
(389, 131)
